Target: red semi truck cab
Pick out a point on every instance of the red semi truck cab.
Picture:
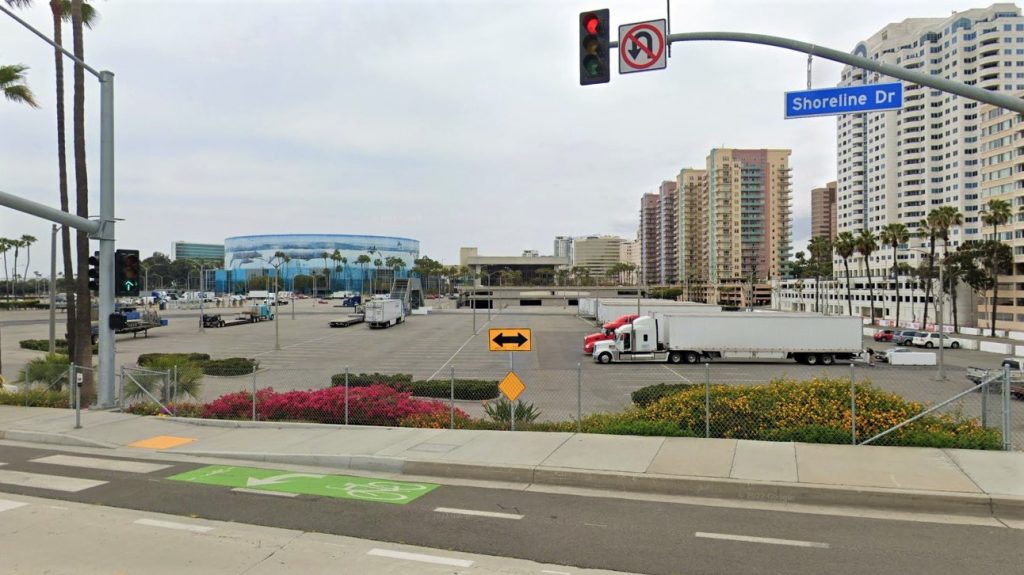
(607, 331)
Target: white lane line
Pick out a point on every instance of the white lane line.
(173, 525)
(556, 572)
(478, 513)
(769, 540)
(434, 559)
(99, 463)
(40, 481)
(677, 374)
(262, 492)
(7, 505)
(463, 346)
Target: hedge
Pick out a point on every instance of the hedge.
(219, 367)
(648, 395)
(34, 398)
(22, 304)
(469, 389)
(59, 345)
(148, 357)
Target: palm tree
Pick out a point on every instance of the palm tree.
(377, 263)
(925, 230)
(820, 248)
(362, 260)
(5, 246)
(947, 218)
(845, 245)
(867, 244)
(341, 268)
(325, 256)
(13, 86)
(894, 235)
(995, 214)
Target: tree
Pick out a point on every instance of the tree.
(845, 245)
(426, 266)
(14, 87)
(5, 246)
(928, 229)
(395, 264)
(325, 256)
(995, 214)
(947, 218)
(377, 263)
(894, 235)
(821, 249)
(867, 244)
(362, 260)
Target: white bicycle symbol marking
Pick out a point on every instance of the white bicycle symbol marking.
(382, 490)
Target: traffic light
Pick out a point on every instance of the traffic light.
(126, 273)
(94, 273)
(594, 68)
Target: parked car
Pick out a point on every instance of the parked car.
(884, 335)
(930, 340)
(905, 337)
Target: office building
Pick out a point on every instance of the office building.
(563, 247)
(668, 233)
(598, 254)
(650, 250)
(823, 211)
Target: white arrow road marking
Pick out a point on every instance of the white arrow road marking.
(173, 525)
(769, 540)
(264, 492)
(478, 513)
(254, 482)
(420, 557)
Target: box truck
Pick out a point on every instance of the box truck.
(677, 338)
(384, 312)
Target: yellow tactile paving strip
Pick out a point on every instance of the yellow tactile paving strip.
(162, 442)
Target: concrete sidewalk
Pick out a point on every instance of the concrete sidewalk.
(926, 480)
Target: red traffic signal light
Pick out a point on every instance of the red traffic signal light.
(594, 31)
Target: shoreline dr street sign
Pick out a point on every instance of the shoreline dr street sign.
(848, 100)
(642, 47)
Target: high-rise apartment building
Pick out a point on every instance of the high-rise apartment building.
(597, 253)
(563, 247)
(823, 211)
(749, 219)
(693, 225)
(668, 233)
(629, 253)
(897, 166)
(650, 245)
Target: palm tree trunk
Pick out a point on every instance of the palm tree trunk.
(995, 280)
(896, 275)
(83, 319)
(817, 301)
(14, 286)
(849, 297)
(928, 283)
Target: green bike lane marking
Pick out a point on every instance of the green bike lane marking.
(339, 486)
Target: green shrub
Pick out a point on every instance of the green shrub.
(175, 409)
(188, 374)
(145, 358)
(50, 371)
(648, 395)
(630, 422)
(229, 366)
(59, 345)
(500, 411)
(399, 381)
(472, 389)
(34, 398)
(810, 434)
(23, 304)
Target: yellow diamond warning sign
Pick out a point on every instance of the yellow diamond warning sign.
(512, 386)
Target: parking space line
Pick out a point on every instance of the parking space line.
(768, 540)
(457, 352)
(679, 375)
(434, 559)
(478, 513)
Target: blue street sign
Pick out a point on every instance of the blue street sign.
(849, 100)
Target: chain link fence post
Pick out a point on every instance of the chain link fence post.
(579, 397)
(707, 400)
(73, 382)
(174, 390)
(853, 404)
(346, 395)
(1007, 443)
(984, 404)
(254, 393)
(451, 400)
(120, 389)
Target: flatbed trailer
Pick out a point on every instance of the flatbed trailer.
(348, 320)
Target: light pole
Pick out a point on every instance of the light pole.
(281, 259)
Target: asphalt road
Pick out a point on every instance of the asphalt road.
(618, 533)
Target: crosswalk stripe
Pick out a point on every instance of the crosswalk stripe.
(99, 463)
(173, 525)
(53, 482)
(7, 505)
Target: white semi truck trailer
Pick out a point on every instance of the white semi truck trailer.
(384, 312)
(806, 338)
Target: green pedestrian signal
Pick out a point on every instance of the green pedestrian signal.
(127, 267)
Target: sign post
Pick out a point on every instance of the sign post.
(510, 339)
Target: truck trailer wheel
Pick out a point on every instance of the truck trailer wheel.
(827, 359)
(605, 357)
(811, 359)
(691, 357)
(675, 357)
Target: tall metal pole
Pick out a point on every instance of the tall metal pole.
(105, 396)
(53, 294)
(942, 335)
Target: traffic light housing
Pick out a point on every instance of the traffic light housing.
(127, 268)
(594, 30)
(94, 273)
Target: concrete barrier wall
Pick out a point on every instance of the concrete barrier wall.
(970, 331)
(1017, 335)
(868, 331)
(967, 343)
(994, 347)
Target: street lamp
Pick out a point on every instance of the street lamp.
(280, 258)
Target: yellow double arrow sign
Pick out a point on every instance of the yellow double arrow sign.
(510, 339)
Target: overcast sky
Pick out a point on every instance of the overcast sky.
(455, 123)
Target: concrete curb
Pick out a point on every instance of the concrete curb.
(53, 439)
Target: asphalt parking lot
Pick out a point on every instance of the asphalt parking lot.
(431, 346)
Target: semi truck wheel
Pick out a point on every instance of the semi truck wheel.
(605, 357)
(827, 359)
(811, 359)
(691, 357)
(675, 357)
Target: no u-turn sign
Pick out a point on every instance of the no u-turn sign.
(642, 46)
